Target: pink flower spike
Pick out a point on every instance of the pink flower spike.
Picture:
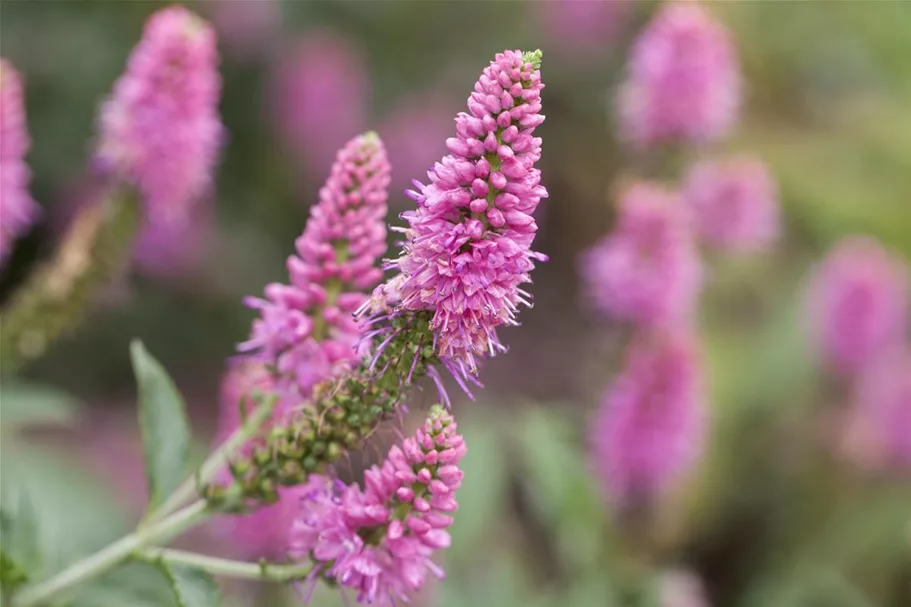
(306, 330)
(160, 129)
(858, 304)
(17, 208)
(683, 79)
(384, 557)
(465, 257)
(734, 203)
(648, 270)
(649, 429)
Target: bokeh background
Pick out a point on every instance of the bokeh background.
(774, 516)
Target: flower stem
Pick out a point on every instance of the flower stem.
(226, 567)
(215, 462)
(111, 556)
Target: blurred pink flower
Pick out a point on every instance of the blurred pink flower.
(650, 428)
(683, 79)
(320, 96)
(245, 27)
(17, 208)
(858, 304)
(734, 202)
(160, 129)
(581, 28)
(878, 431)
(648, 269)
(415, 133)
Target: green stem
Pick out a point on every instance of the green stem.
(228, 568)
(215, 462)
(111, 556)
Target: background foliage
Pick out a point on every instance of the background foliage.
(771, 520)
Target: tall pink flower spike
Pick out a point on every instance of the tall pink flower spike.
(649, 429)
(379, 540)
(16, 205)
(160, 129)
(468, 244)
(858, 305)
(306, 332)
(683, 79)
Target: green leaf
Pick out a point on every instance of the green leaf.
(192, 587)
(163, 424)
(20, 554)
(34, 404)
(70, 511)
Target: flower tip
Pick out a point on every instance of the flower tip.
(371, 137)
(533, 57)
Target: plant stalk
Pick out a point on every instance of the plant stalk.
(228, 568)
(111, 556)
(215, 462)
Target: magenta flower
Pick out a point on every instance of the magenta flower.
(580, 28)
(160, 129)
(683, 80)
(648, 270)
(16, 205)
(379, 540)
(882, 412)
(649, 429)
(319, 97)
(468, 242)
(859, 304)
(734, 202)
(306, 331)
(262, 533)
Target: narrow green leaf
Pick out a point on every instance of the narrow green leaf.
(192, 587)
(33, 404)
(19, 553)
(163, 424)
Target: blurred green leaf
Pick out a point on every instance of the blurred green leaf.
(563, 492)
(74, 513)
(192, 587)
(163, 424)
(807, 587)
(133, 585)
(24, 404)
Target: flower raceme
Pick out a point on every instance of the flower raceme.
(649, 429)
(683, 81)
(16, 204)
(160, 129)
(858, 304)
(648, 270)
(306, 331)
(467, 248)
(379, 540)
